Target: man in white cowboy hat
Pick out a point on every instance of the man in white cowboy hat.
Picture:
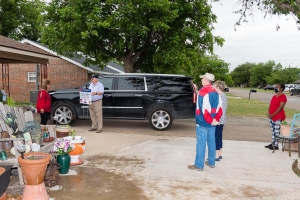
(95, 109)
(208, 114)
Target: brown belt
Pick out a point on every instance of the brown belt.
(97, 100)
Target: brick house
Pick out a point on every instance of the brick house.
(63, 73)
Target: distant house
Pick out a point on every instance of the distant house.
(63, 73)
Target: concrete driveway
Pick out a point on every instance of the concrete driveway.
(129, 160)
(142, 165)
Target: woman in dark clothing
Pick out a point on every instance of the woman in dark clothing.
(43, 105)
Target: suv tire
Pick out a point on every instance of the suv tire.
(160, 119)
(66, 113)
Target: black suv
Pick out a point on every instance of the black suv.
(153, 97)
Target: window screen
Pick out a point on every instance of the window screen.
(31, 76)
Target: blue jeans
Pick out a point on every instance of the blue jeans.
(219, 136)
(205, 134)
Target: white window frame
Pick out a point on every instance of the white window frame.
(31, 75)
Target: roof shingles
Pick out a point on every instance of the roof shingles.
(9, 43)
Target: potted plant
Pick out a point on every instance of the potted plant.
(285, 131)
(62, 148)
(72, 132)
(33, 166)
(62, 130)
(285, 128)
(79, 147)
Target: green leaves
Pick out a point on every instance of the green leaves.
(252, 74)
(275, 7)
(21, 19)
(151, 36)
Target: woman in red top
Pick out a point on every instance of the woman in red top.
(43, 104)
(276, 114)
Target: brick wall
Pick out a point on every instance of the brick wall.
(62, 74)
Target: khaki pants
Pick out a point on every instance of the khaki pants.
(96, 114)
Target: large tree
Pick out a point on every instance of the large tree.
(260, 73)
(142, 34)
(284, 75)
(212, 64)
(241, 74)
(20, 19)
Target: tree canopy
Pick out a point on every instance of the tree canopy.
(145, 35)
(252, 74)
(241, 74)
(20, 19)
(211, 64)
(259, 73)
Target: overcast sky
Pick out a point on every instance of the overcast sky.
(256, 41)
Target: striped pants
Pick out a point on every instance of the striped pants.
(275, 130)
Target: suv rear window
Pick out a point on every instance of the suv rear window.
(169, 84)
(131, 83)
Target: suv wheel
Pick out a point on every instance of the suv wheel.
(160, 119)
(65, 113)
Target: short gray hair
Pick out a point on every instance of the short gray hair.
(220, 85)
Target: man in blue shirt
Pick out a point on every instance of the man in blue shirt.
(208, 114)
(97, 91)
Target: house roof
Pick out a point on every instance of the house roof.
(12, 51)
(110, 68)
(297, 81)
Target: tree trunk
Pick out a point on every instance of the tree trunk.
(128, 65)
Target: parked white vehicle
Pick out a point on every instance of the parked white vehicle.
(288, 87)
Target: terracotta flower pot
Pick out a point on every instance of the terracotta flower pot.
(34, 170)
(285, 130)
(3, 197)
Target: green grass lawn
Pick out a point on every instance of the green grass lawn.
(251, 108)
(258, 90)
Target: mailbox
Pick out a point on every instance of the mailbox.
(251, 91)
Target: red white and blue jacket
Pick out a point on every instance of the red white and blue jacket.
(208, 106)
